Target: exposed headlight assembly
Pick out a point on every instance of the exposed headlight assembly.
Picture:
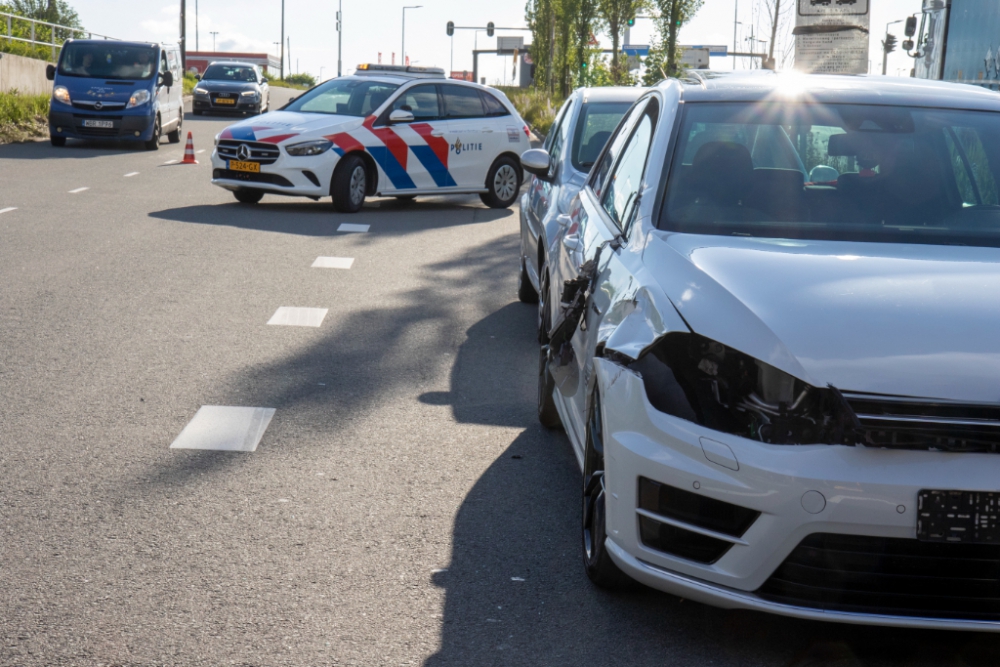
(61, 94)
(309, 147)
(138, 98)
(706, 382)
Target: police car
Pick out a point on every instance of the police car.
(383, 131)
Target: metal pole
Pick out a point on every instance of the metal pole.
(736, 16)
(451, 66)
(184, 35)
(340, 35)
(402, 58)
(197, 46)
(282, 40)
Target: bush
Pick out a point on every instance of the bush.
(537, 107)
(23, 117)
(301, 79)
(278, 83)
(189, 83)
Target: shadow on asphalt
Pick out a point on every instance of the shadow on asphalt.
(310, 218)
(73, 150)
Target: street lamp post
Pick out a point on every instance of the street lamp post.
(213, 34)
(196, 47)
(282, 40)
(340, 37)
(403, 50)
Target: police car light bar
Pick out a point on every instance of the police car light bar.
(372, 68)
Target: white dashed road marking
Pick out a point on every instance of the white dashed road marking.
(130, 175)
(78, 191)
(171, 162)
(7, 210)
(333, 263)
(298, 317)
(351, 227)
(225, 429)
(200, 152)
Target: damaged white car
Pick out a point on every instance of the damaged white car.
(772, 340)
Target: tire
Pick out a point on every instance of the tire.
(245, 196)
(405, 199)
(503, 183)
(350, 183)
(175, 136)
(58, 142)
(526, 292)
(601, 570)
(154, 143)
(544, 314)
(198, 113)
(547, 413)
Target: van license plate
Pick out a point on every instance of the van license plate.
(107, 124)
(250, 167)
(223, 100)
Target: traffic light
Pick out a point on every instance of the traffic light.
(490, 29)
(631, 22)
(583, 65)
(451, 28)
(911, 26)
(889, 43)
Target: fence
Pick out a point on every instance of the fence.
(36, 32)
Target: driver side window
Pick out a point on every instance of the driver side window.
(421, 101)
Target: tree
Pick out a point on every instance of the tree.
(540, 16)
(51, 11)
(616, 15)
(673, 15)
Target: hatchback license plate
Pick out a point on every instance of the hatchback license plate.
(249, 167)
(971, 517)
(107, 124)
(224, 100)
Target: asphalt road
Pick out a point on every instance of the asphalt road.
(403, 508)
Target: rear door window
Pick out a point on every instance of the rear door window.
(461, 102)
(493, 107)
(422, 101)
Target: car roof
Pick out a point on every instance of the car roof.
(231, 63)
(611, 94)
(763, 85)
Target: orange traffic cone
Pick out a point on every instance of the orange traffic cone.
(189, 151)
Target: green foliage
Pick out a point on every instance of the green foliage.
(673, 15)
(537, 107)
(615, 15)
(301, 79)
(23, 117)
(189, 83)
(561, 34)
(278, 83)
(50, 11)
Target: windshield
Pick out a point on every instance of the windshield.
(344, 97)
(230, 73)
(108, 61)
(847, 172)
(596, 123)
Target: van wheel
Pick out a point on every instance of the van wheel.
(175, 136)
(245, 196)
(502, 183)
(154, 143)
(350, 183)
(58, 142)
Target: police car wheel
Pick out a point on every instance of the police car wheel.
(350, 184)
(503, 183)
(248, 196)
(58, 142)
(405, 198)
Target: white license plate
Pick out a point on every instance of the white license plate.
(107, 124)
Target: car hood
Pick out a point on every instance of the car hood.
(904, 320)
(279, 126)
(227, 86)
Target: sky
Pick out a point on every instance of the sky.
(375, 26)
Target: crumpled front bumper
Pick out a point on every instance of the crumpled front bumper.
(865, 492)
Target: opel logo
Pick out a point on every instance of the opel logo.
(99, 105)
(244, 152)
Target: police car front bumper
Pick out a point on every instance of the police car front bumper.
(294, 176)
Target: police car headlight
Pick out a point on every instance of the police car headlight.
(61, 94)
(309, 147)
(249, 93)
(138, 98)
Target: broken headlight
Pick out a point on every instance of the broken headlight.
(706, 382)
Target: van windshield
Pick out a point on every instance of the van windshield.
(837, 172)
(108, 61)
(344, 97)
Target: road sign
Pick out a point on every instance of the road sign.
(509, 44)
(636, 50)
(713, 49)
(833, 7)
(695, 57)
(831, 36)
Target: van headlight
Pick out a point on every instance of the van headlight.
(138, 98)
(61, 94)
(309, 147)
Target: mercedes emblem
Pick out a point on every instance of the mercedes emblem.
(244, 152)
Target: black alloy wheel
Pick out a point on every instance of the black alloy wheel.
(154, 143)
(601, 570)
(525, 290)
(547, 413)
(350, 184)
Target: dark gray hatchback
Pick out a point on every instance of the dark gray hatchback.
(232, 87)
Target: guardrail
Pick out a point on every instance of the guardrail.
(38, 30)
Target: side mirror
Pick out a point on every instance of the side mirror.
(50, 72)
(537, 162)
(401, 116)
(911, 26)
(197, 77)
(168, 79)
(908, 45)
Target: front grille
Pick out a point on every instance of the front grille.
(660, 501)
(259, 152)
(106, 106)
(272, 179)
(892, 576)
(904, 423)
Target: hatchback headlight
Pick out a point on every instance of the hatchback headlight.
(138, 98)
(249, 93)
(200, 91)
(309, 147)
(61, 94)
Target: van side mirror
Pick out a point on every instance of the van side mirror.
(401, 116)
(50, 72)
(168, 79)
(911, 26)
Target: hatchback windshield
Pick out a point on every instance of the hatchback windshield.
(108, 61)
(597, 121)
(230, 73)
(851, 172)
(344, 97)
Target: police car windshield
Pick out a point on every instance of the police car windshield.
(230, 73)
(108, 61)
(344, 97)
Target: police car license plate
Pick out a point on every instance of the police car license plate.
(250, 167)
(224, 100)
(107, 124)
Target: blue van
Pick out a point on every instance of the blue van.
(104, 89)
